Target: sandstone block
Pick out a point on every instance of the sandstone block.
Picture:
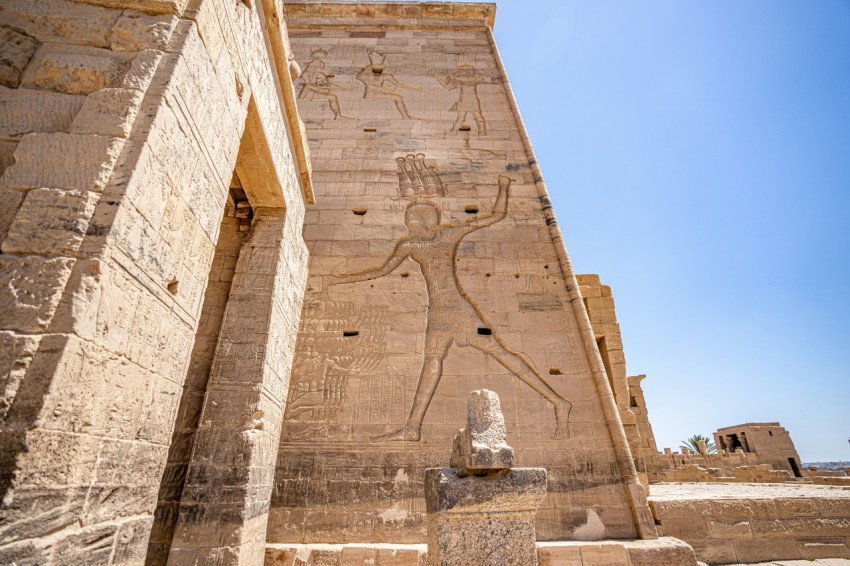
(81, 162)
(665, 550)
(558, 555)
(16, 50)
(482, 445)
(74, 69)
(761, 550)
(604, 554)
(16, 354)
(25, 111)
(108, 112)
(51, 222)
(30, 290)
(60, 20)
(135, 31)
(11, 199)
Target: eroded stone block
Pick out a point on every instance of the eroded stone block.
(11, 199)
(482, 445)
(63, 161)
(16, 50)
(30, 289)
(60, 20)
(75, 69)
(25, 111)
(51, 222)
(16, 353)
(108, 112)
(135, 31)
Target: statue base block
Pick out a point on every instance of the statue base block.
(484, 520)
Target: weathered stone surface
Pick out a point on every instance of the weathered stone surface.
(60, 20)
(16, 353)
(135, 31)
(729, 523)
(11, 199)
(30, 289)
(75, 69)
(26, 111)
(16, 50)
(108, 112)
(487, 520)
(51, 222)
(76, 162)
(482, 445)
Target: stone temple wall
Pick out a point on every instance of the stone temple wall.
(431, 277)
(122, 122)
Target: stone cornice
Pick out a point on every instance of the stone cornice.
(312, 14)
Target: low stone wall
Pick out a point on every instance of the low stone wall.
(761, 473)
(665, 550)
(757, 529)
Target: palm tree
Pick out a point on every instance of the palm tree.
(692, 443)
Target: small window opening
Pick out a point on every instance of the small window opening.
(465, 128)
(471, 209)
(555, 371)
(485, 331)
(633, 402)
(770, 432)
(405, 274)
(350, 333)
(359, 211)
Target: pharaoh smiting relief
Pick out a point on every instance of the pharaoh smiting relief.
(452, 318)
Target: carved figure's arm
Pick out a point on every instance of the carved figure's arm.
(500, 209)
(448, 81)
(398, 83)
(394, 260)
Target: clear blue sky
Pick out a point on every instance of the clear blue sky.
(698, 155)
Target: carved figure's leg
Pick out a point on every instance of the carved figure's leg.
(436, 348)
(461, 116)
(480, 122)
(399, 104)
(520, 368)
(333, 102)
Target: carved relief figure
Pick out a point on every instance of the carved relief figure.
(452, 316)
(380, 84)
(318, 83)
(468, 102)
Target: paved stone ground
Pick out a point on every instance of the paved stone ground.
(673, 491)
(818, 562)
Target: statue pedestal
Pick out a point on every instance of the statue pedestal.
(484, 520)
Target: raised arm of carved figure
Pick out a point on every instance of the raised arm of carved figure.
(500, 209)
(394, 260)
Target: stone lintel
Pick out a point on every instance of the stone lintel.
(389, 15)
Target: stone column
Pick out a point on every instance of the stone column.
(481, 511)
(224, 507)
